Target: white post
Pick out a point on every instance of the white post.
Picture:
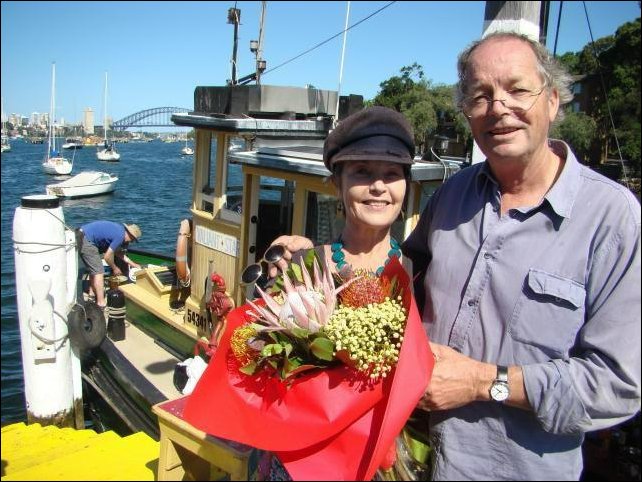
(43, 253)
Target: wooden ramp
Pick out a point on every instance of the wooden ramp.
(33, 452)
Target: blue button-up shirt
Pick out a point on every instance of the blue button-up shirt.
(554, 289)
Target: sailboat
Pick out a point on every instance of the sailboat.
(108, 152)
(187, 151)
(54, 163)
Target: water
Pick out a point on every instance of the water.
(154, 191)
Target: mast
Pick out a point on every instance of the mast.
(234, 17)
(343, 51)
(105, 111)
(260, 63)
(52, 108)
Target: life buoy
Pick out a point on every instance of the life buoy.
(87, 326)
(182, 246)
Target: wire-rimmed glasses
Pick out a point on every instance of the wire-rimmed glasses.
(256, 273)
(516, 100)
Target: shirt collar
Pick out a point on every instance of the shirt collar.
(562, 194)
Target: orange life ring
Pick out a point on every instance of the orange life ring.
(182, 246)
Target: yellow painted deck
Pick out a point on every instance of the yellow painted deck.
(33, 452)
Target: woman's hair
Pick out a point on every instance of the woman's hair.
(554, 74)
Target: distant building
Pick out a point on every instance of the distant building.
(88, 121)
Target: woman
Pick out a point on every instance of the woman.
(369, 155)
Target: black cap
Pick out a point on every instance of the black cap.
(373, 134)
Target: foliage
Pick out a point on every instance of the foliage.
(422, 103)
(617, 69)
(578, 130)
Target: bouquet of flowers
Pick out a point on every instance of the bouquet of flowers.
(323, 376)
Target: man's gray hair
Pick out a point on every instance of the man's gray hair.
(554, 74)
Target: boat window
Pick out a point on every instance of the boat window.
(234, 187)
(208, 175)
(276, 197)
(211, 175)
(322, 222)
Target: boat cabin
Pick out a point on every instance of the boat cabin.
(258, 173)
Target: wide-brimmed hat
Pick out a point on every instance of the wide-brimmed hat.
(373, 134)
(133, 230)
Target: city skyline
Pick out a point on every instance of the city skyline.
(162, 51)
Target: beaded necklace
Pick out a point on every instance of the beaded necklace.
(338, 256)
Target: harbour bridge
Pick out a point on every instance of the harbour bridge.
(156, 117)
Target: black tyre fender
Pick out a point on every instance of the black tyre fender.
(87, 326)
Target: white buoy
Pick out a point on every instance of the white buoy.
(45, 257)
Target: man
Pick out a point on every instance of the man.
(532, 283)
(105, 237)
(533, 263)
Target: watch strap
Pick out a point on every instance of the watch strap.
(502, 374)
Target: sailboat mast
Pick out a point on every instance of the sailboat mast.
(52, 108)
(105, 111)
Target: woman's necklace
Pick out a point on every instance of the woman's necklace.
(338, 256)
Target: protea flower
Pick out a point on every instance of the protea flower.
(308, 305)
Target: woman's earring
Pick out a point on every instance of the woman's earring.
(339, 208)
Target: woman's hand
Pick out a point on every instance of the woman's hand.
(292, 244)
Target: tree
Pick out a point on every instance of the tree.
(578, 130)
(424, 105)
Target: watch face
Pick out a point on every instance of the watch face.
(499, 392)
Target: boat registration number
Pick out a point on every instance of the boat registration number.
(197, 319)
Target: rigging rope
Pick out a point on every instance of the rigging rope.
(331, 38)
(606, 97)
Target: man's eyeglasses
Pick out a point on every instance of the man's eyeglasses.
(517, 100)
(257, 272)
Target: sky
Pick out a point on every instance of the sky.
(156, 53)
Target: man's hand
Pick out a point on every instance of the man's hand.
(456, 380)
(115, 271)
(291, 244)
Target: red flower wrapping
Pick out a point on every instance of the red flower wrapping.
(329, 424)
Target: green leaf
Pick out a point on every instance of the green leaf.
(272, 349)
(249, 369)
(288, 349)
(300, 333)
(322, 348)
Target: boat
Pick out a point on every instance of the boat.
(73, 143)
(55, 163)
(85, 184)
(108, 152)
(187, 150)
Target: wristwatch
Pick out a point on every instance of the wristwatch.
(499, 391)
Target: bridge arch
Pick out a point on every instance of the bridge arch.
(156, 117)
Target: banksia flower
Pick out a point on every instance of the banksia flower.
(306, 305)
(240, 345)
(366, 289)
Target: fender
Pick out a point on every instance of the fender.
(87, 327)
(182, 247)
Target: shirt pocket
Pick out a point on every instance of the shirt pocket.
(549, 312)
